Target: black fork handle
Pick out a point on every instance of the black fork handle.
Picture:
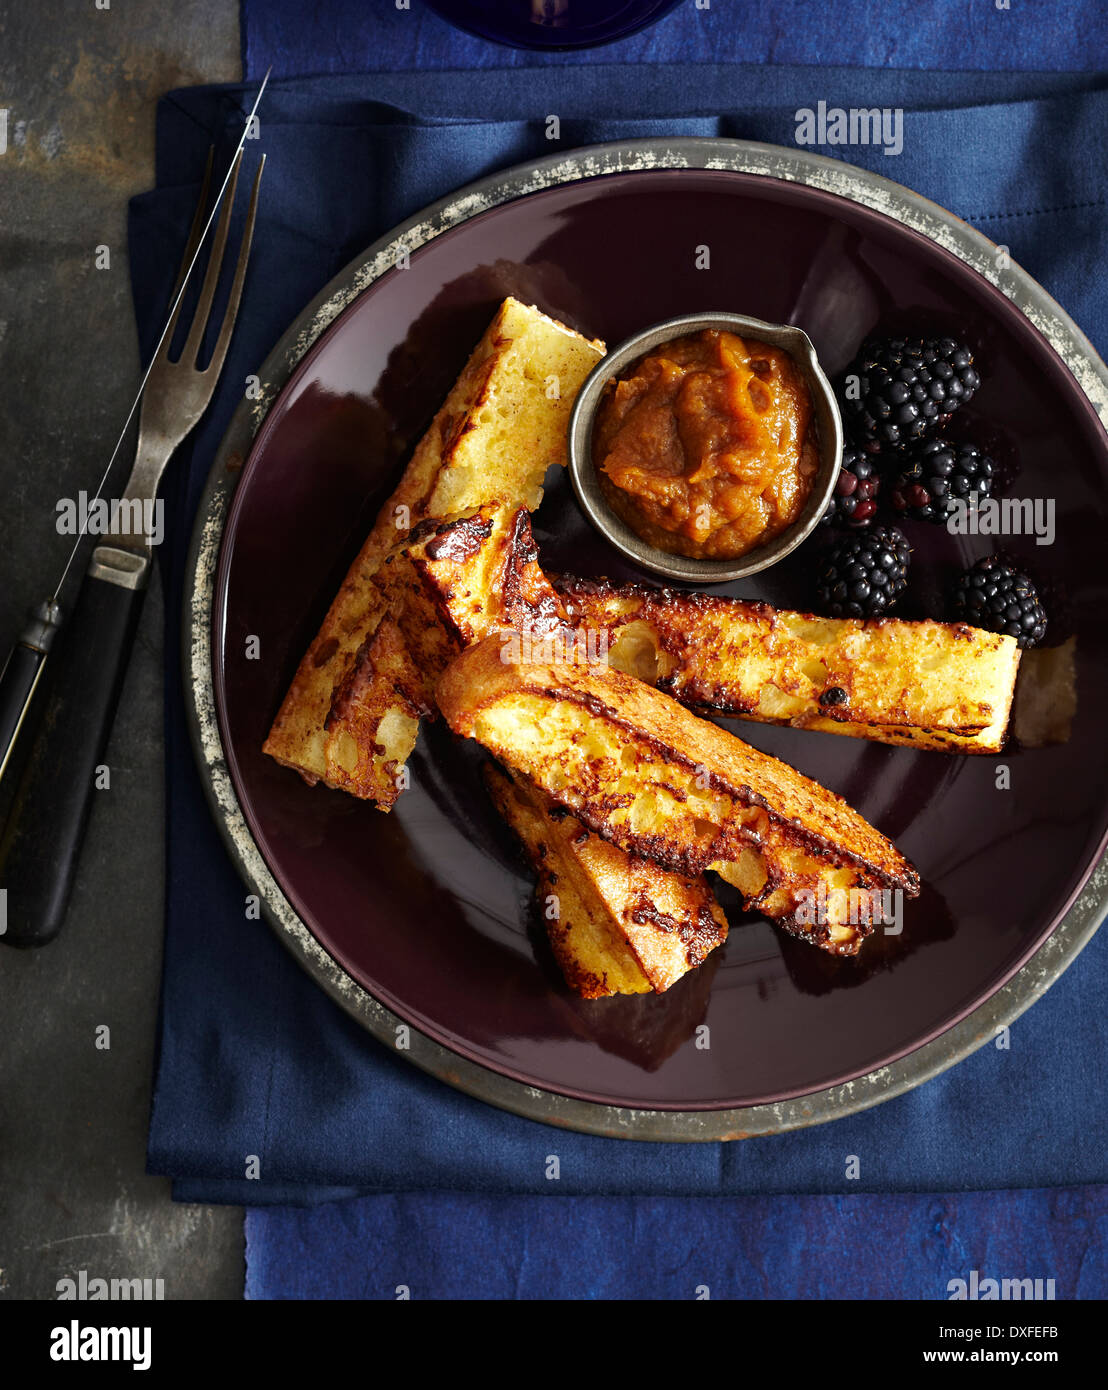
(45, 828)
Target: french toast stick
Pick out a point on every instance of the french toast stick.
(501, 426)
(637, 768)
(454, 581)
(617, 923)
(920, 684)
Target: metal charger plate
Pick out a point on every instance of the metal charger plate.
(868, 190)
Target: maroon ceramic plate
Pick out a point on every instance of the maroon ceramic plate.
(429, 908)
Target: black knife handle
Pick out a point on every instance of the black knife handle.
(22, 672)
(17, 685)
(42, 838)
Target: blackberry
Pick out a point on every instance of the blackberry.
(864, 575)
(994, 595)
(936, 475)
(854, 501)
(907, 389)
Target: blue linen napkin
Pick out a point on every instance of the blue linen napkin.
(254, 1059)
(449, 1245)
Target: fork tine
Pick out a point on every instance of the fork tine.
(191, 351)
(190, 250)
(220, 350)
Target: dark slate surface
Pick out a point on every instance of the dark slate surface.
(81, 91)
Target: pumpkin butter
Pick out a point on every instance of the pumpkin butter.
(705, 448)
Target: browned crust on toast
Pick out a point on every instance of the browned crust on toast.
(658, 727)
(491, 440)
(919, 684)
(617, 923)
(454, 581)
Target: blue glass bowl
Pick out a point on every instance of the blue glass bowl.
(551, 24)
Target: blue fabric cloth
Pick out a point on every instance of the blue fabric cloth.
(452, 1246)
(352, 36)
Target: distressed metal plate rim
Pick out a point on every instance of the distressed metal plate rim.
(859, 185)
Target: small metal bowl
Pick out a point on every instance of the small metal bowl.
(586, 480)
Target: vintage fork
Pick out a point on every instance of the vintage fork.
(43, 834)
